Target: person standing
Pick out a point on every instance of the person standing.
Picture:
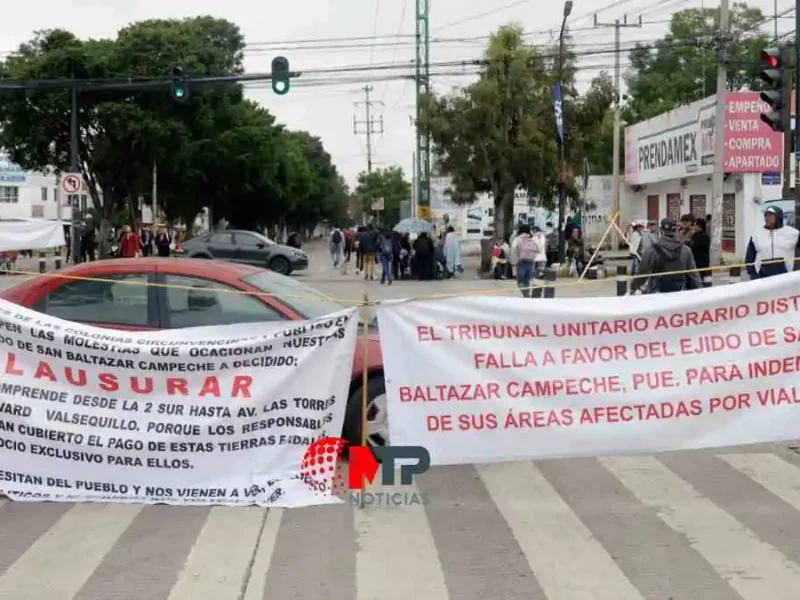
(387, 252)
(771, 249)
(527, 251)
(129, 243)
(668, 255)
(147, 241)
(368, 244)
(700, 245)
(162, 241)
(635, 246)
(336, 247)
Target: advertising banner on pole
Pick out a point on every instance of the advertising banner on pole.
(487, 379)
(199, 416)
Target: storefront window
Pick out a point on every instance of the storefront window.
(674, 206)
(728, 223)
(697, 206)
(9, 194)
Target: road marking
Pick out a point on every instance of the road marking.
(63, 558)
(221, 557)
(397, 557)
(553, 538)
(777, 476)
(755, 569)
(266, 548)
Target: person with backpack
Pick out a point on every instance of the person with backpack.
(336, 246)
(527, 250)
(667, 255)
(387, 251)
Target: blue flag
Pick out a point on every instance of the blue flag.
(557, 111)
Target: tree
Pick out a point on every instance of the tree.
(388, 184)
(217, 151)
(680, 68)
(499, 133)
(121, 133)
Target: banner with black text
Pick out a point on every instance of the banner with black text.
(200, 416)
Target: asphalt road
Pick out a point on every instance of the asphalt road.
(697, 525)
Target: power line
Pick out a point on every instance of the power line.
(481, 15)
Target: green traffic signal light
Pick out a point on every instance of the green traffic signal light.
(280, 75)
(179, 88)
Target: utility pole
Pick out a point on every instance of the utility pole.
(369, 123)
(718, 179)
(422, 81)
(615, 187)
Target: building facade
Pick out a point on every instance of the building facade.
(669, 164)
(32, 195)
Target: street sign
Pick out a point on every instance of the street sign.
(424, 212)
(377, 204)
(72, 183)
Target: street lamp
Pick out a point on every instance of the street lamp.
(562, 191)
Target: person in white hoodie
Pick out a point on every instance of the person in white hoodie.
(772, 248)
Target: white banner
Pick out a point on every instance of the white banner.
(31, 235)
(208, 415)
(486, 379)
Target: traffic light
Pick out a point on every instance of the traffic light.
(179, 87)
(778, 92)
(280, 75)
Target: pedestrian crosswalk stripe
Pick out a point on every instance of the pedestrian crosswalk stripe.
(754, 569)
(776, 475)
(61, 560)
(553, 538)
(263, 558)
(397, 557)
(684, 525)
(221, 558)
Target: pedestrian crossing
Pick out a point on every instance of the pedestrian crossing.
(689, 525)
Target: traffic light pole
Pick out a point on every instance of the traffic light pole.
(796, 118)
(718, 178)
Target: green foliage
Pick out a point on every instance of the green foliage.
(389, 184)
(680, 68)
(499, 133)
(217, 151)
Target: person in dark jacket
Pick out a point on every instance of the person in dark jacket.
(700, 244)
(162, 241)
(423, 261)
(667, 255)
(368, 245)
(772, 248)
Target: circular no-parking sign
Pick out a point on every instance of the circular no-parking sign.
(71, 183)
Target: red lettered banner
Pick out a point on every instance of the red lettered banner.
(486, 379)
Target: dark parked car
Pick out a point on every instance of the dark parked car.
(246, 247)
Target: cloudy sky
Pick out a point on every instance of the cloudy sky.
(320, 34)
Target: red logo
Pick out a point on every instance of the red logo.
(322, 467)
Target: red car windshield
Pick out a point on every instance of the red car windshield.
(303, 299)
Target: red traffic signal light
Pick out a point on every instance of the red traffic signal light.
(771, 57)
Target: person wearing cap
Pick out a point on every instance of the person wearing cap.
(667, 254)
(771, 249)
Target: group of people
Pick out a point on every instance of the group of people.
(397, 255)
(677, 245)
(144, 242)
(681, 250)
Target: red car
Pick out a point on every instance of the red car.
(113, 294)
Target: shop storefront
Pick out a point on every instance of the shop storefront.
(669, 163)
